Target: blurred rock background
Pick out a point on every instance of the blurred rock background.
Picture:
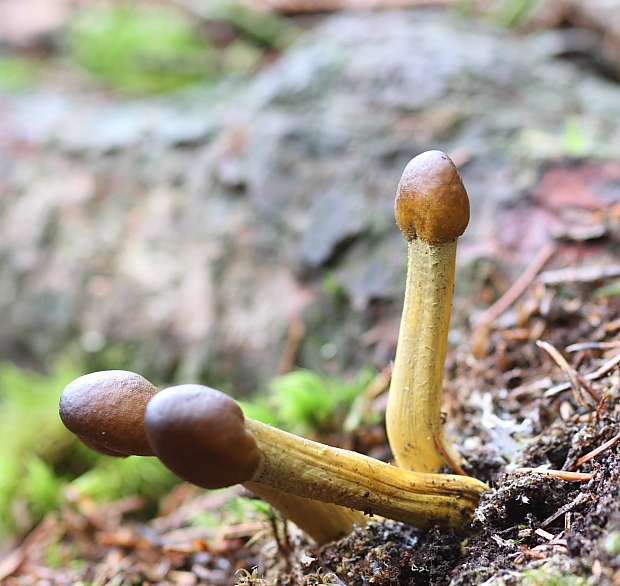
(204, 192)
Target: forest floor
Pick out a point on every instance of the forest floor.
(512, 406)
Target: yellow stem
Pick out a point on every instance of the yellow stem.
(324, 522)
(413, 416)
(333, 475)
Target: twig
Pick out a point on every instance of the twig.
(559, 474)
(581, 498)
(11, 563)
(599, 373)
(587, 457)
(607, 367)
(592, 346)
(518, 287)
(380, 384)
(454, 465)
(568, 371)
(589, 389)
(544, 534)
(579, 275)
(601, 407)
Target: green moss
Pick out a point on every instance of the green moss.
(32, 441)
(307, 402)
(39, 456)
(17, 73)
(140, 49)
(113, 478)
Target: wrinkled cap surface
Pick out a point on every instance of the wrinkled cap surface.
(106, 410)
(431, 201)
(199, 434)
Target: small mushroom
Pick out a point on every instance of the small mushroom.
(106, 411)
(96, 408)
(432, 211)
(202, 436)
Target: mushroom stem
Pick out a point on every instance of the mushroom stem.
(432, 210)
(106, 411)
(313, 470)
(413, 415)
(324, 522)
(198, 433)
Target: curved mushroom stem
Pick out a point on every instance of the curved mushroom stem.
(106, 411)
(432, 210)
(313, 470)
(194, 429)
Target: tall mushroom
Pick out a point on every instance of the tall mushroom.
(106, 411)
(432, 211)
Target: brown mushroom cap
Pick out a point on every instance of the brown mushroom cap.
(199, 434)
(431, 201)
(107, 409)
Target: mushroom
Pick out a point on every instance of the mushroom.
(106, 411)
(432, 211)
(203, 437)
